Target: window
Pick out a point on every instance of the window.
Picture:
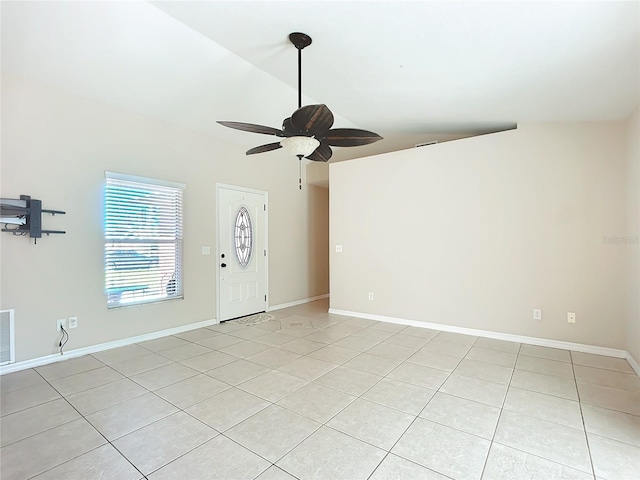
(243, 237)
(143, 240)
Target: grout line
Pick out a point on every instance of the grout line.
(584, 426)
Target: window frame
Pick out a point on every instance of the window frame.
(119, 180)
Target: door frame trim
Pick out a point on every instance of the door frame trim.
(266, 239)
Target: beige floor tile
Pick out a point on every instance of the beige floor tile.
(353, 342)
(544, 366)
(164, 376)
(308, 368)
(237, 372)
(546, 352)
(399, 395)
(613, 459)
(18, 380)
(184, 352)
(275, 473)
(329, 454)
(607, 397)
(554, 442)
(224, 457)
(545, 407)
(611, 424)
(140, 364)
(163, 343)
(85, 380)
(398, 468)
(374, 334)
(419, 375)
(347, 380)
(273, 385)
(601, 361)
(125, 417)
(16, 400)
(103, 463)
(359, 322)
(226, 327)
(443, 449)
(407, 340)
(421, 332)
(274, 357)
(302, 346)
(120, 354)
(219, 341)
(457, 338)
(506, 463)
(272, 432)
(608, 378)
(69, 367)
(549, 384)
(373, 364)
(489, 393)
(484, 371)
(197, 334)
(495, 344)
(316, 402)
(36, 454)
(449, 348)
(372, 423)
(275, 339)
(434, 359)
(193, 390)
(34, 420)
(390, 350)
(208, 361)
(333, 354)
(462, 414)
(495, 357)
(324, 336)
(227, 409)
(245, 348)
(105, 396)
(249, 333)
(388, 327)
(157, 444)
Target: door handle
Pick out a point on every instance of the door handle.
(223, 265)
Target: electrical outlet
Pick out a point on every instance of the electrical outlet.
(73, 322)
(571, 317)
(370, 295)
(206, 250)
(537, 314)
(338, 248)
(62, 322)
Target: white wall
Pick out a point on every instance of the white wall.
(56, 147)
(632, 232)
(478, 232)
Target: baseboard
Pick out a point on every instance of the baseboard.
(38, 362)
(543, 342)
(296, 302)
(633, 363)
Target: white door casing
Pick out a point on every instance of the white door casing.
(241, 277)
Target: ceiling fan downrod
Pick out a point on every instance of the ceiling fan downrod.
(300, 41)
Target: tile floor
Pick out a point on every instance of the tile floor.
(318, 396)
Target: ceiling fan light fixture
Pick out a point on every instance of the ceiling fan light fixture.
(300, 146)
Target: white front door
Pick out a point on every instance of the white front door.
(242, 251)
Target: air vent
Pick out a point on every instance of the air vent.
(426, 143)
(7, 350)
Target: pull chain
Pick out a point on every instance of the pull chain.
(300, 171)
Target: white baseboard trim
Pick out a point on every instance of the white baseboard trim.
(633, 363)
(543, 342)
(296, 302)
(38, 362)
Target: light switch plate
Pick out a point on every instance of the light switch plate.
(338, 248)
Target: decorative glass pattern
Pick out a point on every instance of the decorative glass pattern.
(243, 237)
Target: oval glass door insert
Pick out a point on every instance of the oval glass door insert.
(243, 237)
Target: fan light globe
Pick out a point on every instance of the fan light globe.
(300, 146)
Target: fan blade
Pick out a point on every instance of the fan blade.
(264, 148)
(349, 137)
(288, 128)
(253, 128)
(321, 154)
(312, 119)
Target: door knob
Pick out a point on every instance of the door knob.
(223, 265)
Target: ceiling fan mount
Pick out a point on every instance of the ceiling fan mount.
(307, 132)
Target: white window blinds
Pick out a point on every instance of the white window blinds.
(143, 240)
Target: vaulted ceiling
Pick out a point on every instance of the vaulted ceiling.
(411, 71)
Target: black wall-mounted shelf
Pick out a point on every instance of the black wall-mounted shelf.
(26, 214)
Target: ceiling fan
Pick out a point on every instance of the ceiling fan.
(307, 133)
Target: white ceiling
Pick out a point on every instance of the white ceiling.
(411, 71)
